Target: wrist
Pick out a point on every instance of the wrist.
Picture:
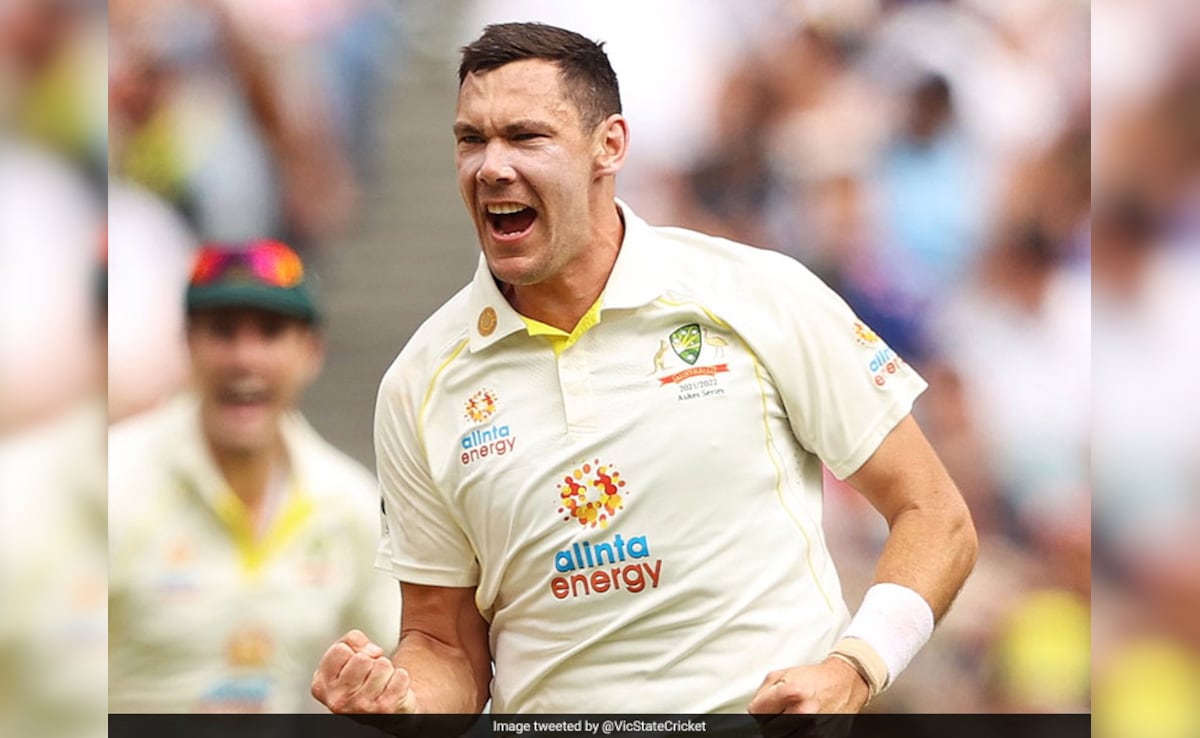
(860, 689)
(862, 658)
(892, 624)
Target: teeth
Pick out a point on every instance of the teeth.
(505, 208)
(246, 391)
(247, 385)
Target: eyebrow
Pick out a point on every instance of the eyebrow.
(461, 129)
(524, 125)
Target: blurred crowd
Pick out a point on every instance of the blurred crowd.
(947, 165)
(250, 119)
(1145, 432)
(230, 121)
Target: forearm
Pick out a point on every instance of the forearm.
(445, 679)
(930, 549)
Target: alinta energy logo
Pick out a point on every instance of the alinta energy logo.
(883, 365)
(591, 495)
(884, 362)
(494, 440)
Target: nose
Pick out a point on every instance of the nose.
(247, 346)
(495, 167)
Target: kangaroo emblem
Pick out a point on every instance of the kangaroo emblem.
(716, 342)
(658, 357)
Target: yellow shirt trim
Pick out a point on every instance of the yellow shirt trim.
(429, 391)
(254, 552)
(559, 339)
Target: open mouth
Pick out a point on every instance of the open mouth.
(244, 394)
(510, 220)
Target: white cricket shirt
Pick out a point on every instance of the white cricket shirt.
(640, 512)
(203, 615)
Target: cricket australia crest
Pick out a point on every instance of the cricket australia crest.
(687, 341)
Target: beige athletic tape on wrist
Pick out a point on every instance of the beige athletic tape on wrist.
(866, 661)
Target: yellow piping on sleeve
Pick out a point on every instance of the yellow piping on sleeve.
(429, 393)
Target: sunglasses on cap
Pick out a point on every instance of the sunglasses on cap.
(264, 261)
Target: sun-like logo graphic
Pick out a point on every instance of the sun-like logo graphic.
(250, 645)
(481, 406)
(591, 494)
(865, 335)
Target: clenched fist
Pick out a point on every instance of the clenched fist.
(356, 677)
(831, 686)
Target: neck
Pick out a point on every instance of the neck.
(562, 301)
(249, 473)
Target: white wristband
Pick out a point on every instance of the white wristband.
(896, 622)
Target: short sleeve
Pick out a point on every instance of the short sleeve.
(423, 540)
(843, 388)
(374, 604)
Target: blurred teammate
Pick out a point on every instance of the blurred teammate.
(240, 541)
(601, 461)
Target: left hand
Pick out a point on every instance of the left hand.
(832, 686)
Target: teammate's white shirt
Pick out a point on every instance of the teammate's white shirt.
(53, 619)
(204, 616)
(640, 513)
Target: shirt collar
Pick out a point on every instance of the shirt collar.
(634, 281)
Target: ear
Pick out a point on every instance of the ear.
(191, 331)
(612, 143)
(316, 349)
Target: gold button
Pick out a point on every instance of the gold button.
(487, 321)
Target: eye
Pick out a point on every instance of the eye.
(528, 136)
(272, 326)
(222, 327)
(469, 140)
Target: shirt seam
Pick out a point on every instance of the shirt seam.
(429, 395)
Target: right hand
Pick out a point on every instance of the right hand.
(356, 676)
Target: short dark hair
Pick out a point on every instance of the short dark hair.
(587, 76)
